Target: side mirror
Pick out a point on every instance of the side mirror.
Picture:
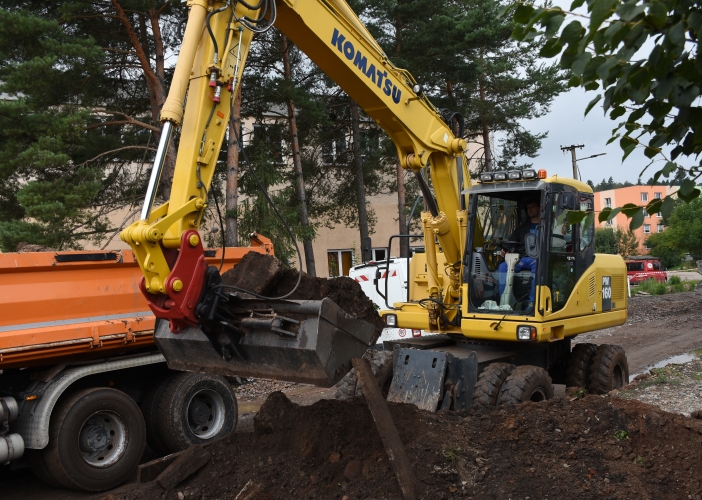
(531, 244)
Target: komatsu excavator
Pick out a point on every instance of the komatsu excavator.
(503, 327)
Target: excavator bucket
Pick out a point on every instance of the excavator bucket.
(305, 341)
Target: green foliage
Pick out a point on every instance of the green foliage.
(621, 435)
(683, 234)
(616, 242)
(451, 454)
(605, 185)
(651, 93)
(651, 287)
(75, 118)
(494, 82)
(674, 280)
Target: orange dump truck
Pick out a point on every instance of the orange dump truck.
(83, 387)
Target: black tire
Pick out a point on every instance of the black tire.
(195, 408)
(609, 369)
(381, 364)
(110, 422)
(487, 389)
(35, 458)
(578, 371)
(526, 383)
(149, 405)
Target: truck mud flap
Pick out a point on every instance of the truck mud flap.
(319, 351)
(433, 380)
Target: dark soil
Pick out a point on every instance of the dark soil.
(264, 275)
(587, 448)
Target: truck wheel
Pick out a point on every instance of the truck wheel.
(96, 439)
(578, 371)
(35, 458)
(526, 383)
(149, 405)
(195, 408)
(381, 364)
(487, 389)
(609, 369)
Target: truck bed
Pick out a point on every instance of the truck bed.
(61, 307)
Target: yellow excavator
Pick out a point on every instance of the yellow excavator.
(505, 281)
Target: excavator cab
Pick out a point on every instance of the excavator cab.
(521, 238)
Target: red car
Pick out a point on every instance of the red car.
(644, 268)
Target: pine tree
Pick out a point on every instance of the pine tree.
(84, 84)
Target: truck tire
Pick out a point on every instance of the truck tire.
(96, 439)
(149, 405)
(609, 369)
(487, 389)
(35, 458)
(381, 364)
(578, 371)
(195, 408)
(526, 383)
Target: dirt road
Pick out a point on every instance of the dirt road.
(658, 327)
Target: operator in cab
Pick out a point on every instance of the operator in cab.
(531, 225)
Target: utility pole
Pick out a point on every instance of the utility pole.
(572, 149)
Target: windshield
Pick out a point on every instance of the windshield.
(501, 274)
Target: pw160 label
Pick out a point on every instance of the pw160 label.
(378, 75)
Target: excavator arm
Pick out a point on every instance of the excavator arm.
(177, 282)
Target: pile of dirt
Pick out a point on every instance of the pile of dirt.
(586, 448)
(264, 275)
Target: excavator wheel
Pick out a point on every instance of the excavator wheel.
(487, 389)
(609, 369)
(526, 383)
(381, 364)
(578, 371)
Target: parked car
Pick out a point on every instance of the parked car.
(643, 268)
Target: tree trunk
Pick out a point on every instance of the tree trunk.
(402, 218)
(486, 130)
(232, 196)
(297, 164)
(358, 163)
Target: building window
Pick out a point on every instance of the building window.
(647, 228)
(644, 196)
(378, 254)
(660, 228)
(340, 262)
(609, 222)
(657, 196)
(414, 250)
(645, 213)
(608, 202)
(334, 151)
(659, 215)
(646, 247)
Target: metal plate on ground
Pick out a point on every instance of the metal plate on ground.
(418, 378)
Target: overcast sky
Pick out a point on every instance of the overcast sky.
(566, 125)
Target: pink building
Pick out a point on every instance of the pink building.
(638, 195)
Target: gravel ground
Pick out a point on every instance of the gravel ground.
(676, 388)
(252, 389)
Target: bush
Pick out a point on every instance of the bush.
(653, 287)
(678, 287)
(674, 280)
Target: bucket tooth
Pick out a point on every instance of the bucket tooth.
(320, 351)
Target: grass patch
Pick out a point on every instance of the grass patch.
(674, 280)
(675, 285)
(621, 435)
(451, 454)
(640, 461)
(580, 393)
(652, 287)
(661, 376)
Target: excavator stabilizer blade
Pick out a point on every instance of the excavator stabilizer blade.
(319, 353)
